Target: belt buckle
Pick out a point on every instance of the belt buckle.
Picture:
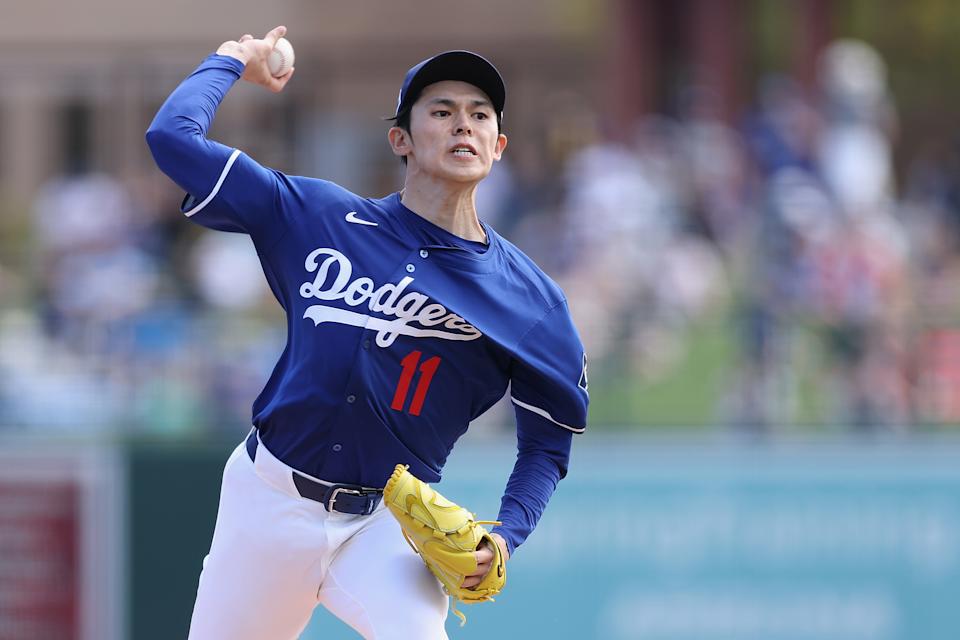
(336, 490)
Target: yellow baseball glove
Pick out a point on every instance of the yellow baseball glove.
(446, 536)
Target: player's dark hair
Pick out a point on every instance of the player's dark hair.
(402, 120)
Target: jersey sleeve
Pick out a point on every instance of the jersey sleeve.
(226, 189)
(549, 392)
(543, 453)
(549, 376)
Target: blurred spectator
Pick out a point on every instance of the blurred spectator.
(92, 271)
(783, 236)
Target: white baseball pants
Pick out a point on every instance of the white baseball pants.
(276, 555)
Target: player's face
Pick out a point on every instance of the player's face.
(454, 133)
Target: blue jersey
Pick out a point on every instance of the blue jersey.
(399, 332)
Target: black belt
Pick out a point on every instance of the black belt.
(345, 498)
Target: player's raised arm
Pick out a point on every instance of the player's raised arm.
(226, 189)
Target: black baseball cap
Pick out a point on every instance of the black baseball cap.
(465, 66)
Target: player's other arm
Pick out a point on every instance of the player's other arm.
(543, 453)
(549, 393)
(177, 138)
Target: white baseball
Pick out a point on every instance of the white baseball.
(280, 59)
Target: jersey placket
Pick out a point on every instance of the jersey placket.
(358, 383)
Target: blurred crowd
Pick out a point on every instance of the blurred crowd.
(783, 237)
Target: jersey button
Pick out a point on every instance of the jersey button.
(366, 344)
(351, 398)
(424, 253)
(337, 447)
(410, 268)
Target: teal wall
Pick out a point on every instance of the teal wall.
(711, 542)
(647, 539)
(173, 493)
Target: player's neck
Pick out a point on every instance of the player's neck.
(451, 208)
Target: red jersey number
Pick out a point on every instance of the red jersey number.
(427, 370)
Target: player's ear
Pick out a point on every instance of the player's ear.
(399, 141)
(500, 146)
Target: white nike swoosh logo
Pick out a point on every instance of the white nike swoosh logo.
(352, 217)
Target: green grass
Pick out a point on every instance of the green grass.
(687, 393)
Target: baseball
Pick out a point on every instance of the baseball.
(280, 59)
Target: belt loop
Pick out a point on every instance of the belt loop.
(252, 445)
(342, 498)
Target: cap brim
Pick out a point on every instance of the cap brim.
(464, 66)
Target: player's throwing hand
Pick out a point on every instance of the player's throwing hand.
(254, 53)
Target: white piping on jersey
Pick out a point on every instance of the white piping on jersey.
(545, 414)
(216, 187)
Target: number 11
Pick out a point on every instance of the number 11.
(427, 369)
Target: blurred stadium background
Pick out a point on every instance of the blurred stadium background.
(753, 206)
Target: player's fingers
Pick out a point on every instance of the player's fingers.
(277, 84)
(285, 78)
(275, 34)
(484, 555)
(474, 578)
(470, 582)
(245, 37)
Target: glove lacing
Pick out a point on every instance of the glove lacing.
(453, 599)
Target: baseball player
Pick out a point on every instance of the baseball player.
(407, 317)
